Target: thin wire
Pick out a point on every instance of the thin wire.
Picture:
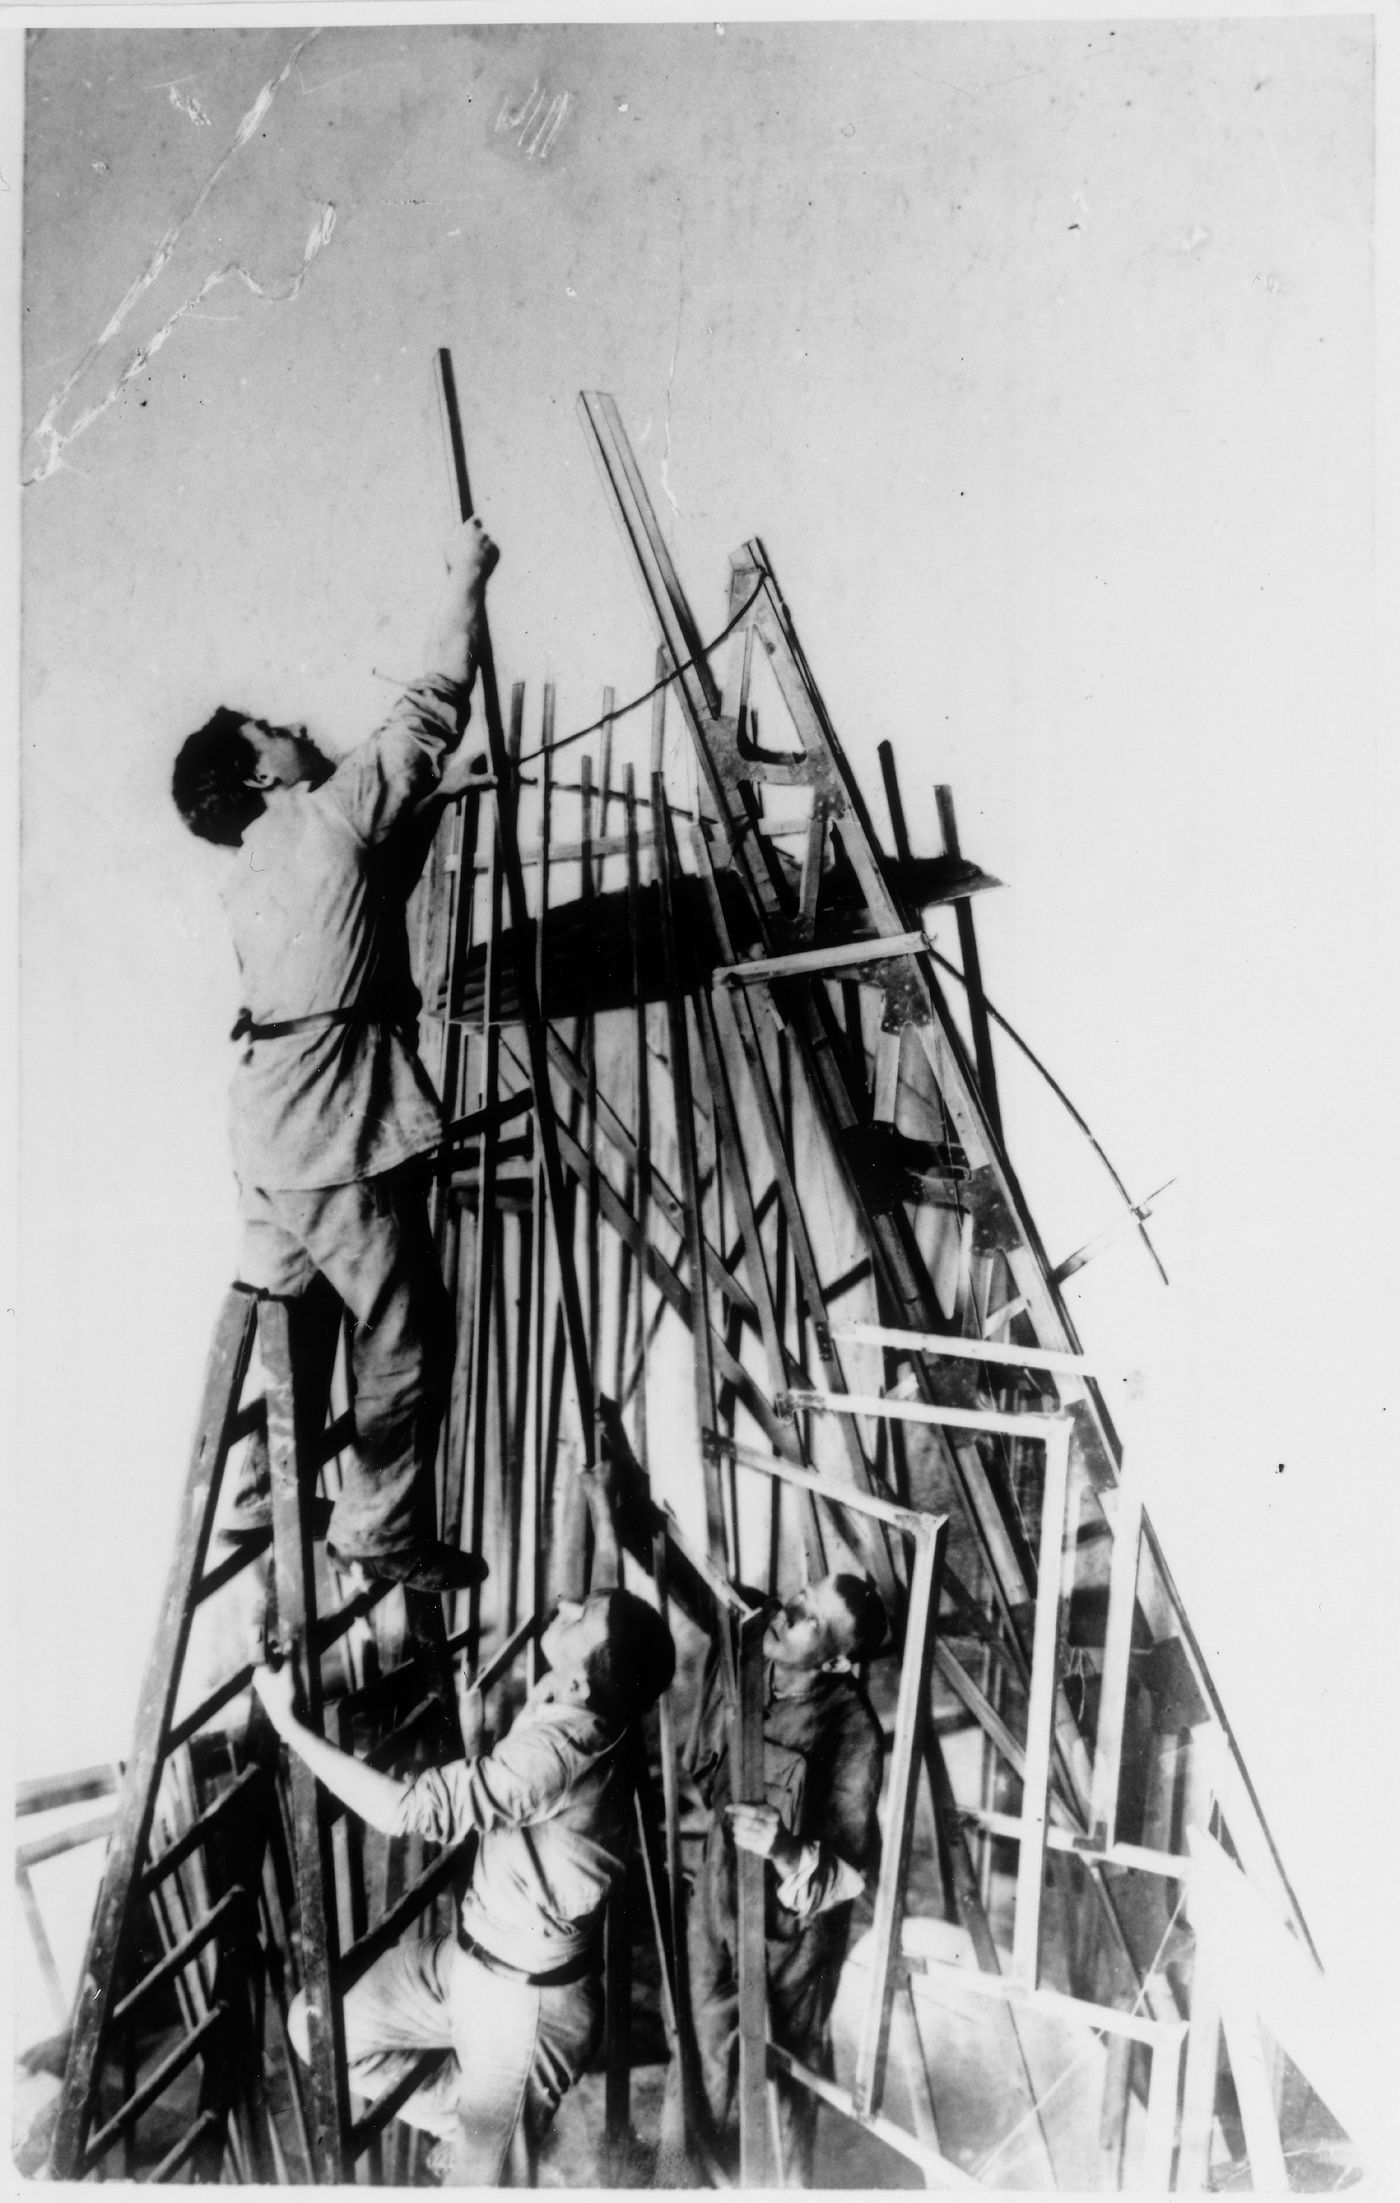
(622, 710)
(1055, 1087)
(1075, 2063)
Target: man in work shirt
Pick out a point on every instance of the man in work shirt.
(515, 1996)
(823, 1764)
(332, 1112)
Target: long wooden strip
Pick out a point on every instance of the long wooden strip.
(1118, 1645)
(205, 2126)
(746, 1784)
(155, 2087)
(674, 1290)
(972, 971)
(506, 812)
(1030, 1869)
(296, 1609)
(228, 1362)
(911, 1713)
(938, 2171)
(373, 2122)
(361, 1955)
(667, 1200)
(969, 1350)
(187, 1948)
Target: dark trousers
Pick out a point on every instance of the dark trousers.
(802, 1978)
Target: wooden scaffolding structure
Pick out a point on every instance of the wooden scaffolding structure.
(722, 1163)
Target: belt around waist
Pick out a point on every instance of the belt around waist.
(316, 1020)
(558, 1977)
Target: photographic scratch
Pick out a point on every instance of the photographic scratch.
(189, 105)
(537, 119)
(46, 431)
(280, 294)
(309, 91)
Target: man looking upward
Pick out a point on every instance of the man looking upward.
(818, 1826)
(332, 1112)
(516, 1994)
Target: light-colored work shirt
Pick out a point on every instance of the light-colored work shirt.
(317, 915)
(551, 1803)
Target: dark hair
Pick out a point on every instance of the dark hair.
(867, 1611)
(628, 1673)
(210, 780)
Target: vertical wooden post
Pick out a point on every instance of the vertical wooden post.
(746, 1747)
(910, 1715)
(539, 1215)
(718, 1529)
(1201, 2082)
(972, 973)
(223, 1382)
(506, 777)
(296, 1615)
(1040, 1711)
(1118, 1644)
(1159, 2133)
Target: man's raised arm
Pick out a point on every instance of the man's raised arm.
(452, 646)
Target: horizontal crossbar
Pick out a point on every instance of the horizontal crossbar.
(809, 963)
(793, 1402)
(939, 2171)
(1057, 1362)
(1077, 2010)
(156, 2086)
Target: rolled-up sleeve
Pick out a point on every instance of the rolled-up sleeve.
(819, 1880)
(403, 759)
(525, 1779)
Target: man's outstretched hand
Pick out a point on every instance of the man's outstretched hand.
(276, 1689)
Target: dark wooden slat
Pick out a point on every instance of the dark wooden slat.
(506, 780)
(167, 2071)
(296, 1609)
(385, 1933)
(717, 1528)
(972, 969)
(184, 1950)
(367, 2128)
(911, 1713)
(204, 2128)
(45, 1793)
(746, 1747)
(228, 1362)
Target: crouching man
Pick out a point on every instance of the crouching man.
(515, 1996)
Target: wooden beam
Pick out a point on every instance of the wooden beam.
(1118, 1645)
(972, 971)
(520, 927)
(911, 1713)
(315, 1870)
(1040, 1712)
(812, 963)
(747, 1788)
(223, 1383)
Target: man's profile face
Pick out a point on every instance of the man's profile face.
(811, 1627)
(286, 756)
(578, 1629)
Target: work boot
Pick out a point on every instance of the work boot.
(426, 1565)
